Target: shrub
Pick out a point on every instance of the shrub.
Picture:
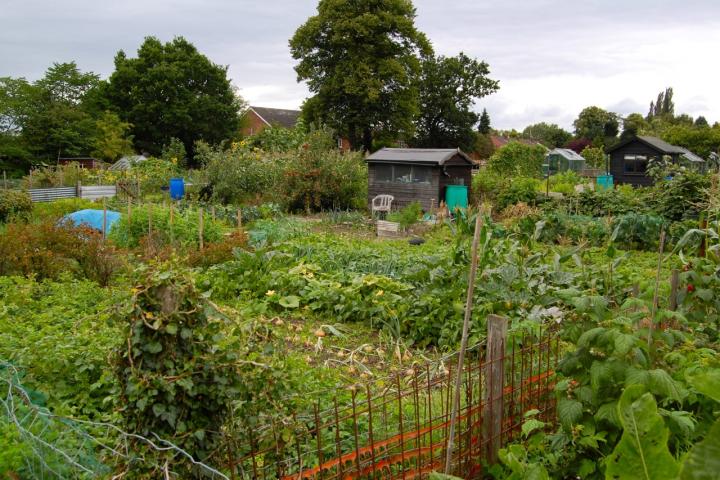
(316, 180)
(637, 231)
(520, 189)
(681, 198)
(516, 158)
(14, 204)
(407, 216)
(240, 175)
(218, 252)
(487, 185)
(128, 231)
(47, 250)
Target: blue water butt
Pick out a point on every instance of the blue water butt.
(177, 188)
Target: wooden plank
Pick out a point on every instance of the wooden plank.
(494, 381)
(388, 229)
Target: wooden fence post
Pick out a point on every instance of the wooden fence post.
(674, 282)
(212, 212)
(172, 218)
(494, 382)
(78, 189)
(239, 218)
(200, 227)
(5, 179)
(104, 219)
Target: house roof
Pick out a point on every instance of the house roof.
(567, 153)
(436, 156)
(277, 116)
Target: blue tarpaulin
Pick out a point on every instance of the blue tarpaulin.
(92, 218)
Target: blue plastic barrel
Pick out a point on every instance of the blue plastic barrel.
(604, 182)
(177, 188)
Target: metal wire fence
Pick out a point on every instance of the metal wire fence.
(398, 427)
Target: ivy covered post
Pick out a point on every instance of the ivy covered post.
(179, 365)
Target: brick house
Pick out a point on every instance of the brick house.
(256, 119)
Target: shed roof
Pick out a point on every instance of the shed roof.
(661, 146)
(691, 156)
(652, 142)
(436, 156)
(277, 116)
(567, 153)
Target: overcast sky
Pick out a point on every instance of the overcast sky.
(552, 57)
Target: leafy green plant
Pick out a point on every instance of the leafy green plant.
(185, 228)
(642, 451)
(407, 216)
(14, 204)
(520, 189)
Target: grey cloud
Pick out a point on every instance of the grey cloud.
(520, 39)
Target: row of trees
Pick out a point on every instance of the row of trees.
(598, 128)
(169, 94)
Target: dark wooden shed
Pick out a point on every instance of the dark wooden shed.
(417, 174)
(629, 159)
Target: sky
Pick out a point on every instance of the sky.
(551, 57)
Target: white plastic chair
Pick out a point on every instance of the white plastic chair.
(382, 203)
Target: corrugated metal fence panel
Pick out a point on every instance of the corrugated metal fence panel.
(51, 194)
(100, 191)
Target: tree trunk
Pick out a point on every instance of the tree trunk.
(367, 139)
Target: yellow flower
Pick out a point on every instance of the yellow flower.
(270, 293)
(379, 293)
(148, 315)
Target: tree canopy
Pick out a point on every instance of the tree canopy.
(597, 125)
(448, 89)
(549, 134)
(360, 60)
(49, 118)
(170, 90)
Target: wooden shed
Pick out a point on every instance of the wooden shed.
(417, 174)
(629, 160)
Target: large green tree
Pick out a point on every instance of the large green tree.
(360, 61)
(49, 117)
(448, 89)
(170, 90)
(549, 134)
(597, 125)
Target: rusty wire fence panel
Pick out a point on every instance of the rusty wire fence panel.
(398, 427)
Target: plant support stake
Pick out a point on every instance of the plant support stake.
(464, 342)
(657, 287)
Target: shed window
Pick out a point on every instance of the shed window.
(403, 174)
(635, 164)
(383, 173)
(421, 174)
